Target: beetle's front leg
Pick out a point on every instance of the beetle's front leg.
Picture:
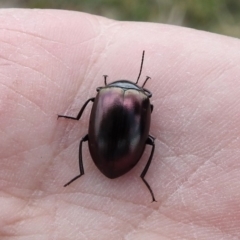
(81, 111)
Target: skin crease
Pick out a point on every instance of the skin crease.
(51, 62)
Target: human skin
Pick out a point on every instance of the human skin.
(51, 62)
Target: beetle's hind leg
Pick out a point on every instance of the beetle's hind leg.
(150, 141)
(84, 139)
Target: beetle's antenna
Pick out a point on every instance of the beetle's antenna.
(105, 79)
(146, 81)
(141, 67)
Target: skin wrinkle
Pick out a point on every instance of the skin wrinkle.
(165, 144)
(205, 179)
(69, 126)
(45, 39)
(187, 222)
(175, 154)
(117, 199)
(16, 51)
(57, 154)
(23, 211)
(222, 72)
(15, 141)
(45, 172)
(25, 151)
(67, 132)
(8, 43)
(192, 115)
(21, 198)
(191, 174)
(185, 180)
(223, 148)
(116, 27)
(25, 97)
(205, 221)
(113, 199)
(123, 219)
(169, 169)
(6, 137)
(208, 72)
(33, 69)
(54, 220)
(82, 207)
(42, 170)
(196, 109)
(85, 76)
(139, 226)
(102, 53)
(19, 215)
(125, 201)
(217, 149)
(104, 213)
(219, 144)
(18, 197)
(91, 63)
(47, 52)
(90, 21)
(55, 58)
(161, 101)
(31, 35)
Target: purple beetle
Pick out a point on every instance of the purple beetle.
(119, 128)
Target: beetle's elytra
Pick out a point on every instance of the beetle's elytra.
(118, 128)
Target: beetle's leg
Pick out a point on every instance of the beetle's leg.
(84, 139)
(81, 111)
(151, 108)
(149, 141)
(145, 81)
(149, 135)
(105, 79)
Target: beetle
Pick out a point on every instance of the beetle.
(118, 128)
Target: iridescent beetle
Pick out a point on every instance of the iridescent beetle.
(118, 128)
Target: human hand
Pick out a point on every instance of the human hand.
(50, 63)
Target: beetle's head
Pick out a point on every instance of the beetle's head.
(126, 85)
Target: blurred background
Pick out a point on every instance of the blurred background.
(218, 16)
